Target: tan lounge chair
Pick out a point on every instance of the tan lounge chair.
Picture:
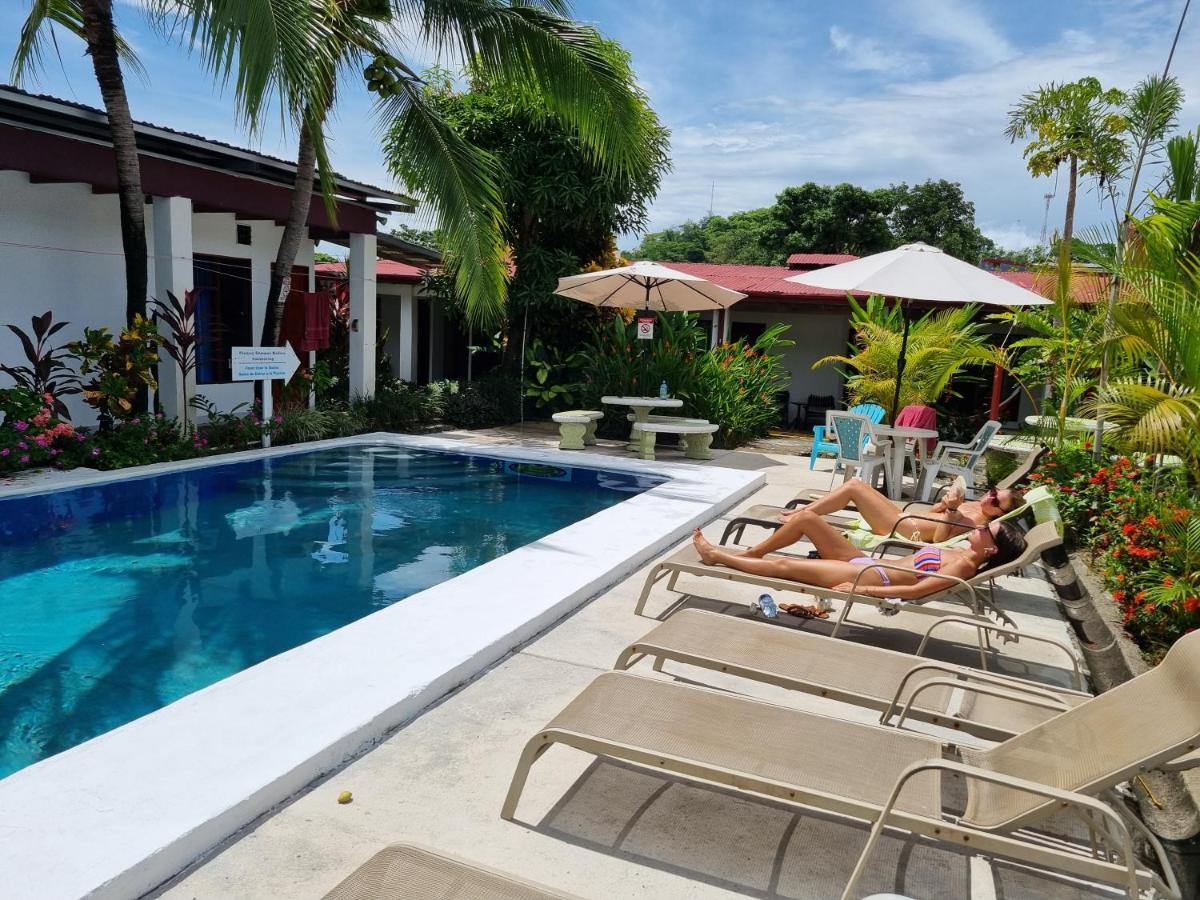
(893, 779)
(407, 872)
(897, 685)
(974, 593)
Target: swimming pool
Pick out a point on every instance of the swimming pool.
(117, 599)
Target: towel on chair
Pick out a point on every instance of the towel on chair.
(919, 417)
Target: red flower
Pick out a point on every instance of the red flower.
(1192, 605)
(1129, 529)
(1119, 596)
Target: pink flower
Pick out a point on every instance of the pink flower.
(5, 452)
(25, 459)
(41, 440)
(22, 445)
(96, 452)
(21, 426)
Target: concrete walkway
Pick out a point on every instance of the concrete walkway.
(608, 830)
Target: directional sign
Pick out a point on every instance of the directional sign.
(264, 363)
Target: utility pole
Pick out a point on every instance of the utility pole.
(711, 195)
(1045, 220)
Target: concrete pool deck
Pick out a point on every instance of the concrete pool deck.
(608, 830)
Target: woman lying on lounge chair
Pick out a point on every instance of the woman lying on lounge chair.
(840, 563)
(953, 515)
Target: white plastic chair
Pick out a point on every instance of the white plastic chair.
(956, 459)
(853, 452)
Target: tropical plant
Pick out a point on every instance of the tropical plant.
(32, 435)
(941, 345)
(487, 402)
(45, 372)
(232, 429)
(556, 377)
(120, 369)
(398, 406)
(295, 426)
(180, 341)
(1079, 124)
(1183, 167)
(736, 384)
(140, 440)
(92, 22)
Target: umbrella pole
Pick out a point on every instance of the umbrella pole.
(901, 361)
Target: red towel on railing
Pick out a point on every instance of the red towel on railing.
(919, 417)
(306, 320)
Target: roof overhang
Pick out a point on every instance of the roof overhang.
(57, 141)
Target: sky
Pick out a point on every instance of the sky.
(763, 94)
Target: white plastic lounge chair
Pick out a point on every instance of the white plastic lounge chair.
(893, 779)
(408, 872)
(897, 685)
(976, 593)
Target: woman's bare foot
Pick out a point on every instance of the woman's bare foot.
(708, 553)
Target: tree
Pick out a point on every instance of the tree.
(839, 219)
(1079, 124)
(688, 242)
(422, 236)
(740, 238)
(937, 213)
(92, 22)
(561, 206)
(293, 52)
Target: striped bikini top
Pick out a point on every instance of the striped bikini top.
(927, 560)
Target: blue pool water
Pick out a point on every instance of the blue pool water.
(119, 598)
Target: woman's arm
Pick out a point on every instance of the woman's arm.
(956, 566)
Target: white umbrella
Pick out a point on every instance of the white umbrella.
(919, 272)
(647, 285)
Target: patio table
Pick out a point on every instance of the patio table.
(900, 436)
(641, 407)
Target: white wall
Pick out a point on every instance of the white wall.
(69, 260)
(816, 335)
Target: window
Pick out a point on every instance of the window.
(746, 331)
(223, 314)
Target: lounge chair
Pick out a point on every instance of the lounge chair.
(407, 872)
(894, 779)
(1039, 501)
(897, 685)
(975, 593)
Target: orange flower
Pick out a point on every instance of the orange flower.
(1192, 605)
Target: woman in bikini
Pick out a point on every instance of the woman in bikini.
(841, 562)
(953, 515)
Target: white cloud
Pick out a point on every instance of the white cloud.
(869, 55)
(1013, 236)
(959, 23)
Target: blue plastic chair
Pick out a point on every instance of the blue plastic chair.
(872, 411)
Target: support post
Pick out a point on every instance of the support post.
(362, 315)
(900, 362)
(406, 362)
(997, 391)
(268, 411)
(173, 273)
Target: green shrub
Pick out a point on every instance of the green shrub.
(398, 406)
(488, 402)
(295, 426)
(141, 440)
(735, 388)
(32, 434)
(236, 429)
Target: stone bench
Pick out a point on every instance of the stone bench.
(697, 437)
(577, 428)
(671, 420)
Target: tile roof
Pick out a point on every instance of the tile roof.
(819, 259)
(389, 270)
(757, 281)
(1085, 287)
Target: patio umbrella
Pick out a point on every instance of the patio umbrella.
(919, 272)
(647, 285)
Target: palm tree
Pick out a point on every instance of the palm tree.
(92, 22)
(1079, 124)
(940, 346)
(295, 52)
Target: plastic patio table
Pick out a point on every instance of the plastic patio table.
(900, 436)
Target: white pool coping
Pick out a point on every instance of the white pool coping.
(118, 815)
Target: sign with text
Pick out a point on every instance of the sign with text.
(645, 328)
(264, 363)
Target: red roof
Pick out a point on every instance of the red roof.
(388, 270)
(817, 260)
(757, 281)
(1085, 287)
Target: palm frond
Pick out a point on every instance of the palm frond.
(38, 30)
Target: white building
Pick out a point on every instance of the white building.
(214, 217)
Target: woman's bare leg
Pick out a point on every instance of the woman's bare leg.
(817, 572)
(878, 511)
(829, 541)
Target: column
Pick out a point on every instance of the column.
(406, 360)
(173, 273)
(362, 315)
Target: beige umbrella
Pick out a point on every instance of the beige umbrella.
(647, 285)
(919, 272)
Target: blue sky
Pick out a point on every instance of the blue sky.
(762, 94)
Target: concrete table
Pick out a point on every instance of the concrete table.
(900, 436)
(641, 407)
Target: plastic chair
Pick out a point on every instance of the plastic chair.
(853, 433)
(872, 411)
(957, 459)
